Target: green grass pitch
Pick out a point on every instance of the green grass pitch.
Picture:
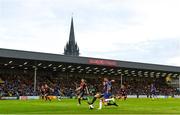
(69, 106)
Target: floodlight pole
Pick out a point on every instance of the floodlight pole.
(121, 80)
(179, 82)
(35, 77)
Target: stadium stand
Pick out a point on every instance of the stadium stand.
(15, 85)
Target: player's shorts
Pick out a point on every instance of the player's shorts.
(81, 94)
(153, 93)
(47, 94)
(124, 94)
(42, 93)
(107, 95)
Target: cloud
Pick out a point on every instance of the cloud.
(174, 61)
(155, 51)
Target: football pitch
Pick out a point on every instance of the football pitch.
(69, 106)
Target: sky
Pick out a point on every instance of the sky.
(145, 31)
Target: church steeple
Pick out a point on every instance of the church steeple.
(71, 47)
(71, 34)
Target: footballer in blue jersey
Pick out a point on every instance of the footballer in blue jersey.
(107, 88)
(105, 95)
(153, 91)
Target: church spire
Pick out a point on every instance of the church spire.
(71, 47)
(71, 34)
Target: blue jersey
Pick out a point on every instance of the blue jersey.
(107, 89)
(153, 88)
(107, 86)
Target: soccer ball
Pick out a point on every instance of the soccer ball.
(91, 107)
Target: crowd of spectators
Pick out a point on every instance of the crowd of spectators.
(16, 85)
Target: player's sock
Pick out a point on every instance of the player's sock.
(49, 98)
(94, 99)
(59, 99)
(100, 104)
(79, 100)
(111, 99)
(46, 98)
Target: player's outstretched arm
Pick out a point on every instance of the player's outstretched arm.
(77, 89)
